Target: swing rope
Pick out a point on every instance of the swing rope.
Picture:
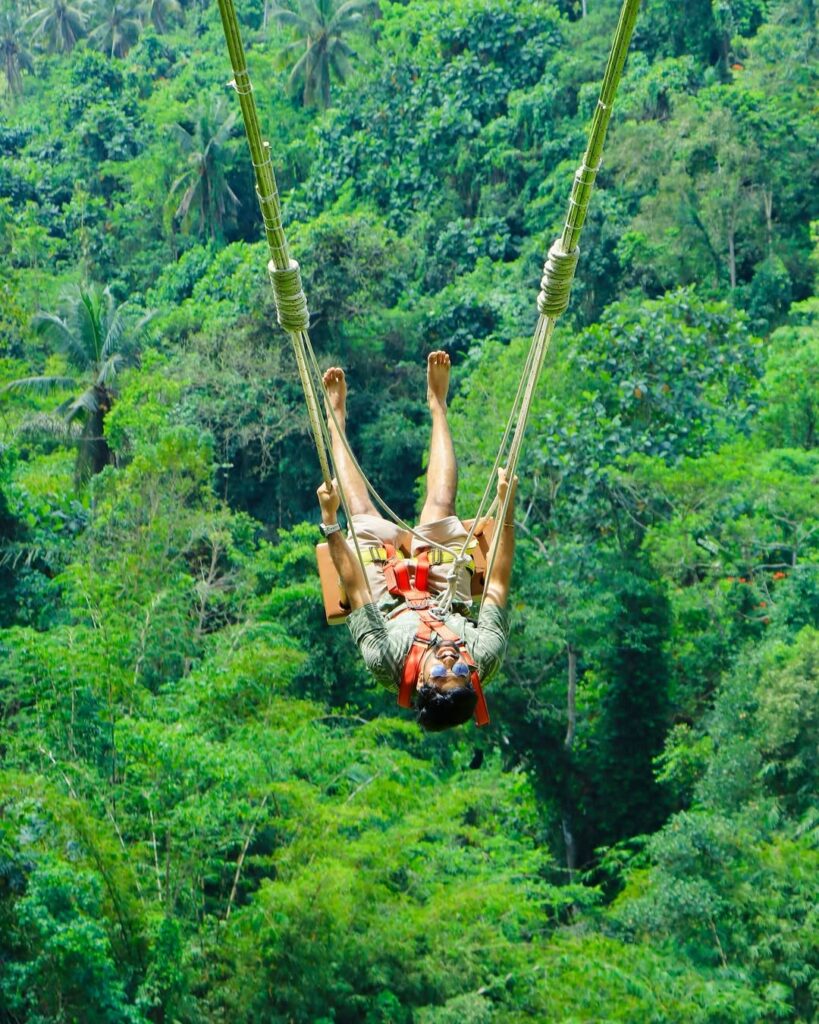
(561, 264)
(285, 277)
(553, 299)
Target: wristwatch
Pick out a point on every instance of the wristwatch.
(327, 531)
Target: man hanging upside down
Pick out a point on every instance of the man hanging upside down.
(438, 664)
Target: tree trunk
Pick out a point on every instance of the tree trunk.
(732, 257)
(571, 698)
(584, 9)
(767, 202)
(94, 454)
(568, 746)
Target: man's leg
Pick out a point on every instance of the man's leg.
(442, 470)
(351, 481)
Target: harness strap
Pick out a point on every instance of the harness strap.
(397, 578)
(380, 554)
(409, 673)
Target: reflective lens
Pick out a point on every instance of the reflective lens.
(438, 671)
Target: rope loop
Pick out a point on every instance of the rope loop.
(241, 82)
(291, 303)
(556, 283)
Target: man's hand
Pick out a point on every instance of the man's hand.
(503, 487)
(329, 501)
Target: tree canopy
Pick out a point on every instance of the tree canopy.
(207, 812)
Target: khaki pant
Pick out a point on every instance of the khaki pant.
(373, 531)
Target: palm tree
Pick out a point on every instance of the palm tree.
(320, 26)
(60, 23)
(119, 28)
(207, 195)
(162, 14)
(96, 336)
(14, 53)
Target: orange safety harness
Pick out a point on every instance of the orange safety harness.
(418, 599)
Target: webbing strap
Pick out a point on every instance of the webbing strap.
(421, 571)
(409, 673)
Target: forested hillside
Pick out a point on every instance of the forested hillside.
(208, 813)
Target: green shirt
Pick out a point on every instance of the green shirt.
(385, 643)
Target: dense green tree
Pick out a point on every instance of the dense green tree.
(163, 14)
(206, 812)
(321, 26)
(95, 335)
(790, 414)
(118, 24)
(14, 52)
(207, 198)
(60, 24)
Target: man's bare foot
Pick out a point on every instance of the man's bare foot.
(335, 394)
(438, 367)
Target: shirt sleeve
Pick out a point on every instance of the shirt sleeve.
(490, 642)
(370, 633)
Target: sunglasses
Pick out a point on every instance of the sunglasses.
(460, 668)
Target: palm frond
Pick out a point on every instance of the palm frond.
(313, 12)
(222, 134)
(285, 17)
(91, 303)
(179, 182)
(108, 370)
(182, 136)
(349, 15)
(340, 63)
(288, 48)
(46, 423)
(140, 328)
(86, 402)
(54, 327)
(39, 385)
(187, 199)
(113, 336)
(303, 66)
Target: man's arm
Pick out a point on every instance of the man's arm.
(347, 565)
(497, 592)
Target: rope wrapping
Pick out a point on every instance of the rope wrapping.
(556, 283)
(291, 302)
(241, 83)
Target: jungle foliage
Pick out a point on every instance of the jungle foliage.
(207, 813)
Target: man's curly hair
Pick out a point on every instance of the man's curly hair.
(437, 711)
